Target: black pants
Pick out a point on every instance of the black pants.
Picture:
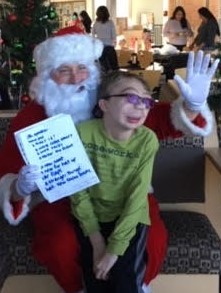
(127, 274)
(108, 59)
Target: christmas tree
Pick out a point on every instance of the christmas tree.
(24, 24)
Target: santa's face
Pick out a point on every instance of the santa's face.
(69, 89)
(70, 74)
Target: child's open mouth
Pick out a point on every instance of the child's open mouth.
(133, 120)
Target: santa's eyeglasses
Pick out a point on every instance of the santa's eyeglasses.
(135, 99)
(68, 70)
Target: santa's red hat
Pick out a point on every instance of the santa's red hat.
(66, 49)
(77, 28)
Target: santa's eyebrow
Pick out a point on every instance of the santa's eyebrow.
(69, 67)
(63, 67)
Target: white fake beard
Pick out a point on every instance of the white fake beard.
(68, 99)
(75, 100)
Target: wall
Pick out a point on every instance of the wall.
(140, 6)
(136, 8)
(191, 8)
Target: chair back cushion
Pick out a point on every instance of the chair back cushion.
(179, 171)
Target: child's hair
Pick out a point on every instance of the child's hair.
(111, 79)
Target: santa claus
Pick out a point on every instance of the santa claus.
(66, 82)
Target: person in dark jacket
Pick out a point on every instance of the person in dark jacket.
(86, 20)
(207, 31)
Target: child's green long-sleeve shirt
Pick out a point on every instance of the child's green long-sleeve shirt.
(125, 171)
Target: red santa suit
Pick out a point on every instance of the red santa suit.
(54, 242)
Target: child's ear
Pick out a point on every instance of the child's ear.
(103, 105)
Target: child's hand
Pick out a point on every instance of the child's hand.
(99, 247)
(104, 265)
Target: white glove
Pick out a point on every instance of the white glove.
(195, 89)
(26, 180)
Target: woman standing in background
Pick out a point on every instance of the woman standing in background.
(207, 31)
(104, 29)
(177, 29)
(74, 19)
(86, 20)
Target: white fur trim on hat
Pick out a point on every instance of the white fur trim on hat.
(5, 194)
(181, 122)
(67, 49)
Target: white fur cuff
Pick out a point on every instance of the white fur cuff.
(5, 194)
(181, 122)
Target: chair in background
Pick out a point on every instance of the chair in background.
(181, 72)
(124, 56)
(145, 58)
(152, 77)
(137, 27)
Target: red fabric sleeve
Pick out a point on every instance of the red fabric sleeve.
(10, 158)
(159, 121)
(157, 241)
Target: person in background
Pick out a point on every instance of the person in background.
(76, 27)
(146, 38)
(122, 44)
(104, 30)
(86, 20)
(207, 31)
(112, 217)
(74, 19)
(177, 29)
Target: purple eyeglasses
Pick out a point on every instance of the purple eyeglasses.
(135, 99)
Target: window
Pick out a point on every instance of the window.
(98, 3)
(122, 8)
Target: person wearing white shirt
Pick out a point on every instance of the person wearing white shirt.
(104, 30)
(177, 29)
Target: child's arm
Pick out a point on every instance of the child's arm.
(166, 29)
(82, 209)
(104, 265)
(99, 247)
